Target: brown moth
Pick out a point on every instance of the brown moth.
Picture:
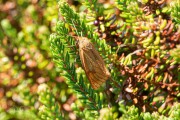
(92, 63)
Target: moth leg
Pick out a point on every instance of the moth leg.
(77, 59)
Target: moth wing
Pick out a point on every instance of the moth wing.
(94, 67)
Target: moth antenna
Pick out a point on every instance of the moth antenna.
(81, 34)
(72, 36)
(75, 28)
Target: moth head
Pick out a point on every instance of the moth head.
(84, 42)
(81, 42)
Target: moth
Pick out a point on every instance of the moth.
(92, 63)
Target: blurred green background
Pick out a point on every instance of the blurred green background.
(25, 58)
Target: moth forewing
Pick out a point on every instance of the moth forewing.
(92, 63)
